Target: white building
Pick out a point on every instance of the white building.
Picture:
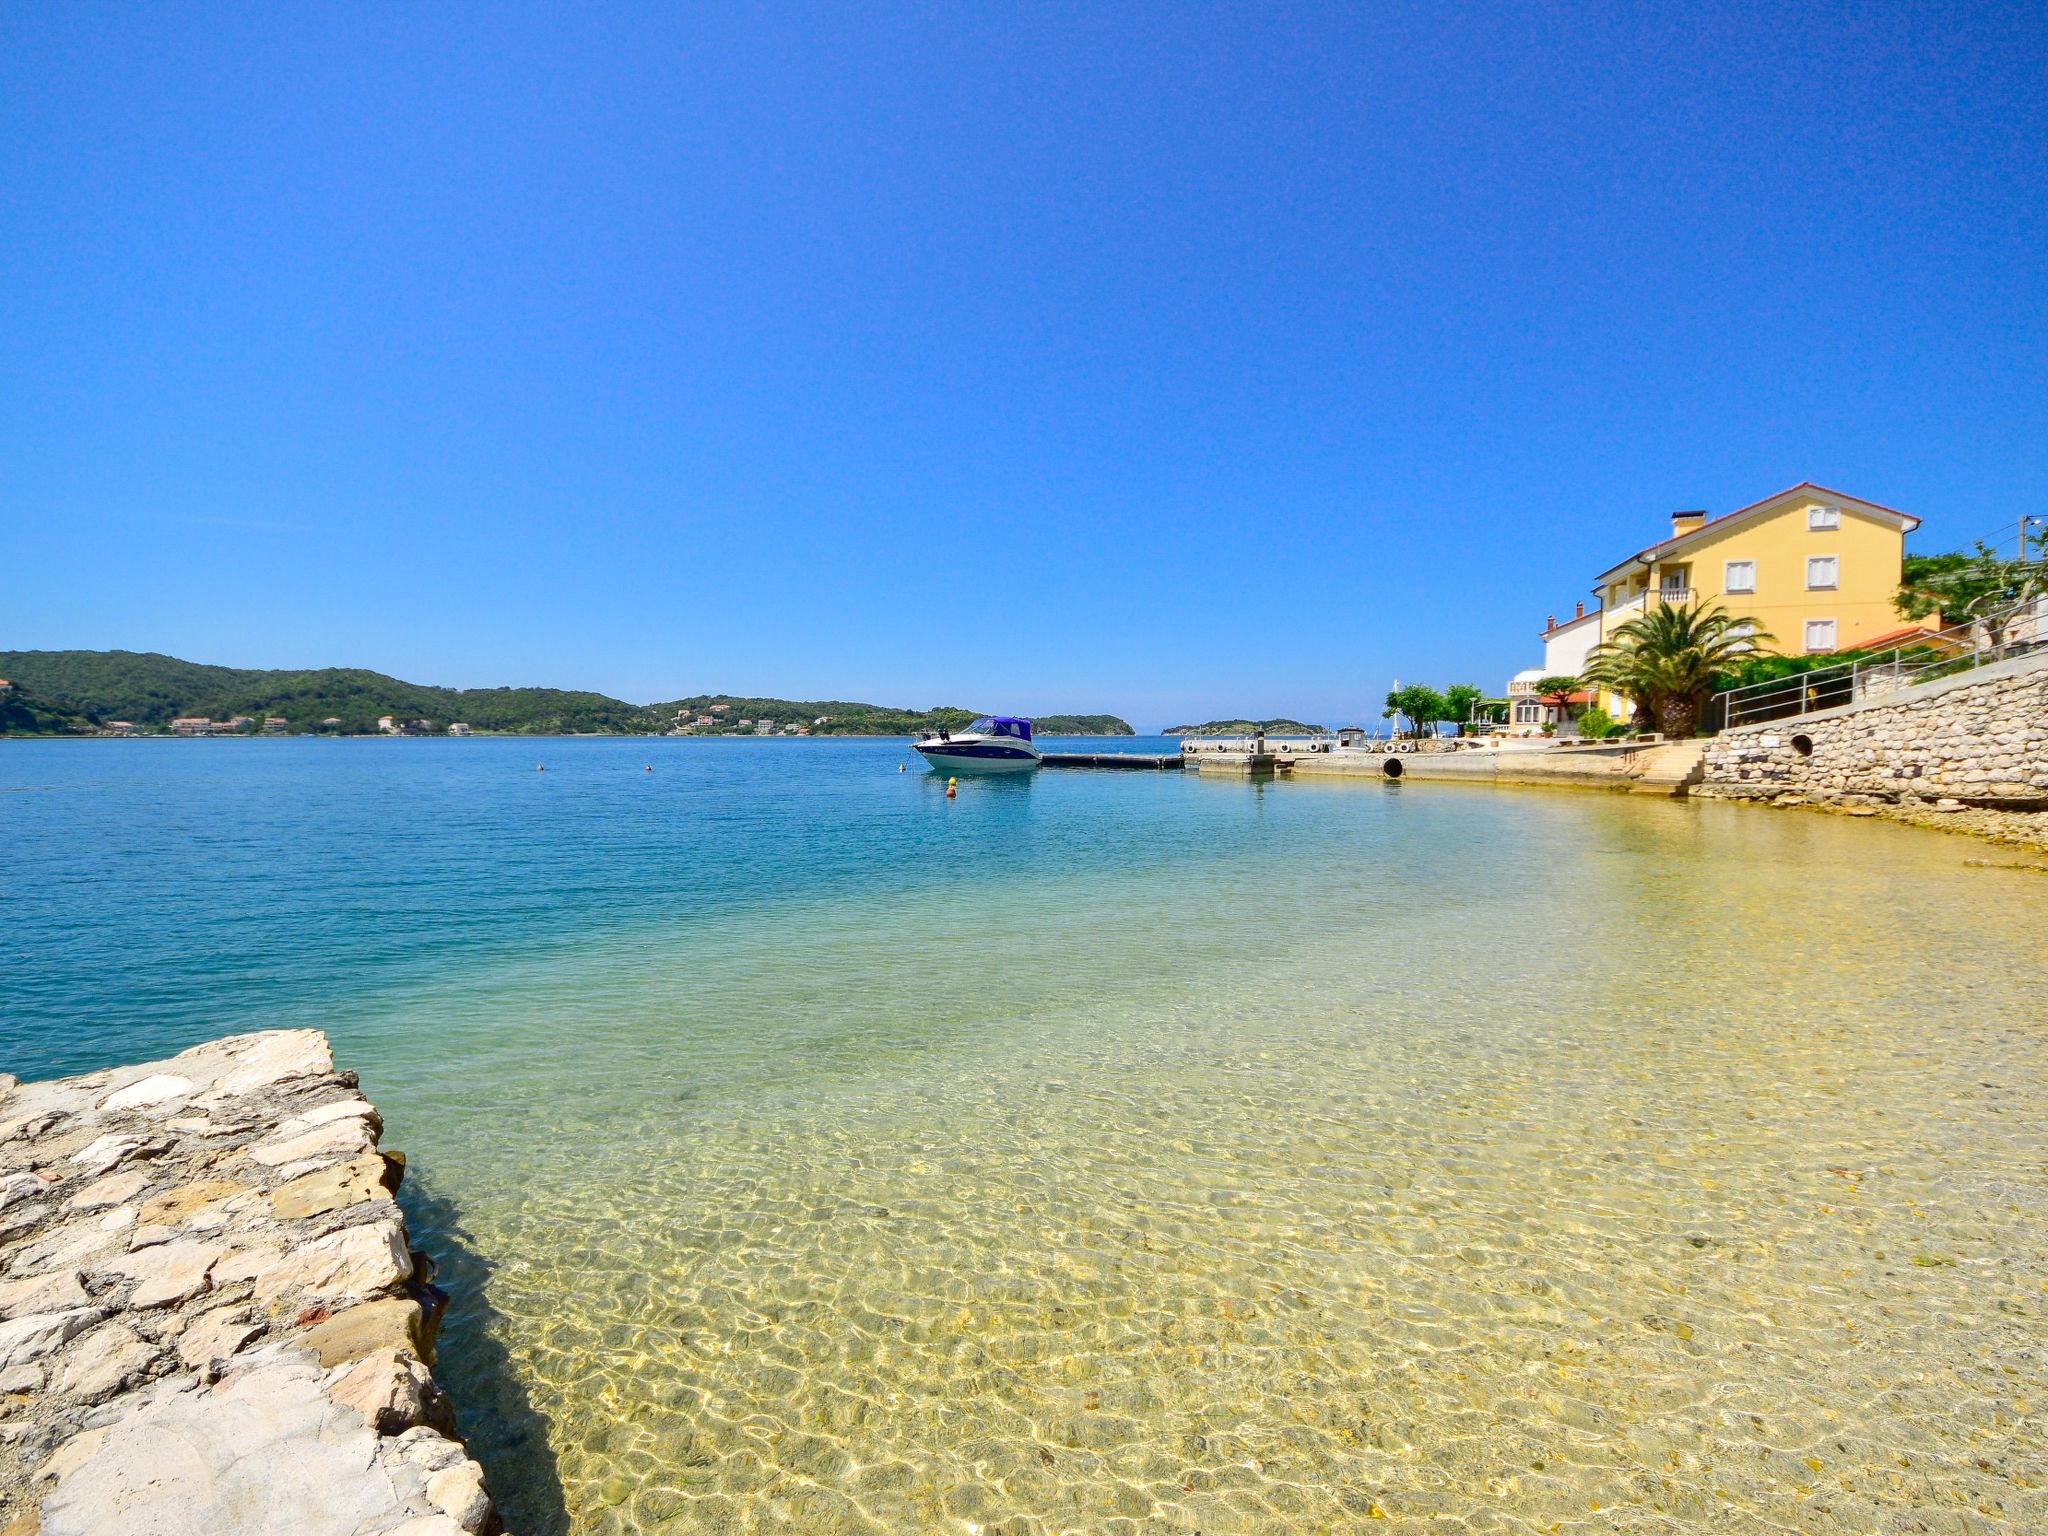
(1566, 647)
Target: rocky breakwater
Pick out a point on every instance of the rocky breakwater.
(210, 1318)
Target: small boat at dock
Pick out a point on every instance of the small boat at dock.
(991, 744)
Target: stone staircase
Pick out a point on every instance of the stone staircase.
(1670, 769)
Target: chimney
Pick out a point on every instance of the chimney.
(1685, 522)
(1580, 612)
(1549, 622)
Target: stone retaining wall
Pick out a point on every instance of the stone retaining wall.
(1582, 767)
(1977, 739)
(211, 1322)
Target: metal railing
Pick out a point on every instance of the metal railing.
(1643, 598)
(2020, 629)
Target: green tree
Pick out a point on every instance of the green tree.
(1978, 587)
(1595, 723)
(1557, 692)
(1421, 706)
(1460, 700)
(1669, 658)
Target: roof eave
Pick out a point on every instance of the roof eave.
(1651, 554)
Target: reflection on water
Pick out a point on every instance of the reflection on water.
(1158, 1156)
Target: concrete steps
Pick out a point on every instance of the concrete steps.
(1671, 769)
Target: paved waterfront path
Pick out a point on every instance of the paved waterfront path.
(210, 1319)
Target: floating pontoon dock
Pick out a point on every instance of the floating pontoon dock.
(1151, 760)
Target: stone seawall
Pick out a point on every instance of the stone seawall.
(1975, 740)
(211, 1321)
(1612, 768)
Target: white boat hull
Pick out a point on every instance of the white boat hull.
(979, 755)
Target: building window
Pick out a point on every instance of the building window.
(1823, 519)
(1820, 635)
(1739, 576)
(1822, 572)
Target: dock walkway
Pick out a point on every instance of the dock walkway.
(1155, 761)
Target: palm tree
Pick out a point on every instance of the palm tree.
(1670, 658)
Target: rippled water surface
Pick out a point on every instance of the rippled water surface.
(1121, 1152)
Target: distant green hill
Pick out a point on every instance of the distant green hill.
(151, 690)
(22, 713)
(1246, 727)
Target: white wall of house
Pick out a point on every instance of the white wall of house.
(1566, 647)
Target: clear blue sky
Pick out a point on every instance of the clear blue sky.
(1197, 360)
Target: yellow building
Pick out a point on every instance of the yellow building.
(1814, 569)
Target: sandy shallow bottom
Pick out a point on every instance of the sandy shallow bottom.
(1486, 1212)
(808, 1152)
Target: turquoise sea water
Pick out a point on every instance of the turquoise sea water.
(1121, 1152)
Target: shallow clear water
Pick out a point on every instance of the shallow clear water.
(1121, 1152)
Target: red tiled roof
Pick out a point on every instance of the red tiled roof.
(1893, 637)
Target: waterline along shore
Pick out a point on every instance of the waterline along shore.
(211, 1320)
(1967, 753)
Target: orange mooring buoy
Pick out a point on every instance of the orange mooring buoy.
(952, 788)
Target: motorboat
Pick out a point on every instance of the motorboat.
(991, 744)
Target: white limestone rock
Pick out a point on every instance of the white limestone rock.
(114, 1189)
(458, 1492)
(72, 1245)
(113, 1149)
(217, 1335)
(354, 1107)
(258, 1061)
(168, 1272)
(30, 1338)
(264, 1450)
(71, 1455)
(428, 1449)
(246, 1263)
(56, 1292)
(353, 1264)
(105, 1360)
(161, 1088)
(390, 1389)
(338, 1138)
(427, 1525)
(17, 1187)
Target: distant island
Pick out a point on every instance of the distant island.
(1246, 728)
(51, 693)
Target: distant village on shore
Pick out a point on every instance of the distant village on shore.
(718, 720)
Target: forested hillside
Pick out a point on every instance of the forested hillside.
(1246, 727)
(151, 690)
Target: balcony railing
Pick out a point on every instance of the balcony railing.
(2018, 630)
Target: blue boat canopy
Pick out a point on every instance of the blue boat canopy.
(1000, 725)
